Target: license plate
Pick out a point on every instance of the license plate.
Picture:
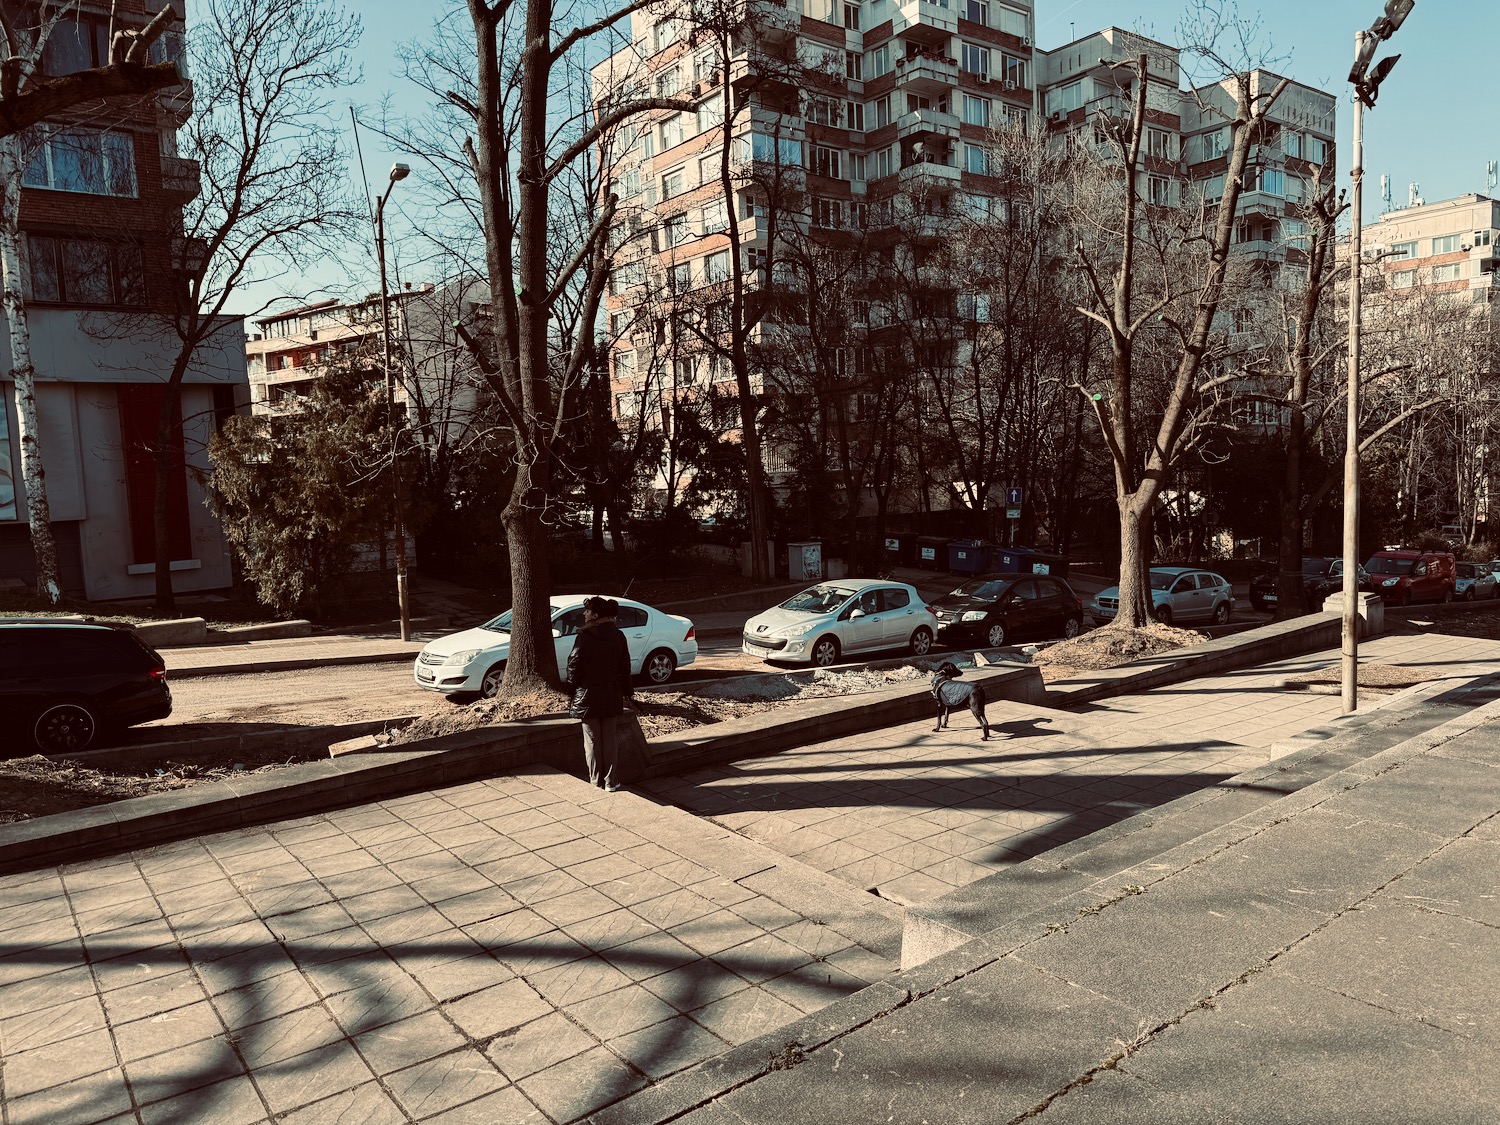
(1269, 599)
(424, 674)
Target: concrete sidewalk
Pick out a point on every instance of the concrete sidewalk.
(530, 949)
(286, 655)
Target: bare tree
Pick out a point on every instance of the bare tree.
(29, 95)
(272, 196)
(1183, 263)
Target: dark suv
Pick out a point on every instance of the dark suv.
(69, 684)
(1321, 577)
(996, 610)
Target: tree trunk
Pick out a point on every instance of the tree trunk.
(166, 466)
(23, 374)
(1290, 601)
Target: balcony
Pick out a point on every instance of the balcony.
(175, 103)
(1262, 203)
(926, 21)
(180, 177)
(928, 176)
(927, 123)
(773, 20)
(927, 74)
(769, 73)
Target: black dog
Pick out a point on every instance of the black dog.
(951, 695)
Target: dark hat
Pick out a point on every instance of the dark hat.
(599, 607)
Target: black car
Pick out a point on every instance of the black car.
(997, 609)
(1321, 577)
(66, 685)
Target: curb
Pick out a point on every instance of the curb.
(291, 664)
(291, 737)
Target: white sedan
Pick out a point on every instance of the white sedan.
(473, 662)
(849, 615)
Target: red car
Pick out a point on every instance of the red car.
(1404, 576)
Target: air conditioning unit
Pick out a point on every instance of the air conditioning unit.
(1025, 40)
(1059, 115)
(1010, 83)
(697, 89)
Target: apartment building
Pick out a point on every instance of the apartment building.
(1447, 247)
(98, 209)
(877, 115)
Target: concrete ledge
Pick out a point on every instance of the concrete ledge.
(166, 634)
(287, 664)
(291, 738)
(418, 625)
(1254, 646)
(268, 632)
(760, 599)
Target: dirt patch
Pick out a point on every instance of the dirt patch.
(1109, 647)
(1375, 676)
(40, 786)
(1470, 623)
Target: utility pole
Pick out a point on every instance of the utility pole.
(1366, 81)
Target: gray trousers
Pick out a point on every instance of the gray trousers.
(600, 751)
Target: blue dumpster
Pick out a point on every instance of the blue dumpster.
(932, 552)
(968, 556)
(1028, 560)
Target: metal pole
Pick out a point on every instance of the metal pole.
(390, 414)
(1350, 672)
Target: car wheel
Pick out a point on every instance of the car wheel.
(1163, 614)
(1221, 613)
(489, 687)
(921, 641)
(1469, 594)
(65, 728)
(1072, 626)
(825, 652)
(996, 635)
(659, 666)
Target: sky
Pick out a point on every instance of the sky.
(1432, 126)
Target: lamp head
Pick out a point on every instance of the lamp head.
(1396, 12)
(399, 172)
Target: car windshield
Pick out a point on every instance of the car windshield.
(1315, 566)
(1163, 579)
(1379, 565)
(1466, 570)
(499, 624)
(981, 589)
(817, 599)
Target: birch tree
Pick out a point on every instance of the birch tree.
(28, 96)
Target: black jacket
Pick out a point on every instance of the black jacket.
(599, 672)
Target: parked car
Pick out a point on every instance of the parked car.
(1001, 608)
(831, 619)
(1474, 580)
(69, 685)
(472, 662)
(1321, 576)
(1405, 575)
(1178, 593)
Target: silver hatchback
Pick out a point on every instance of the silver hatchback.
(830, 619)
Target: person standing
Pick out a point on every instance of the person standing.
(598, 674)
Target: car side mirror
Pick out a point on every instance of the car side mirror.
(556, 633)
(853, 613)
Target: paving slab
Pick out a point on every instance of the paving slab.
(351, 964)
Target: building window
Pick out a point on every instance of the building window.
(76, 271)
(1481, 238)
(624, 366)
(715, 217)
(1291, 143)
(859, 214)
(1160, 190)
(83, 160)
(76, 42)
(851, 16)
(883, 163)
(827, 212)
(716, 268)
(755, 260)
(1010, 21)
(1212, 189)
(671, 132)
(671, 183)
(668, 82)
(1014, 116)
(711, 112)
(882, 111)
(708, 168)
(976, 110)
(681, 277)
(855, 116)
(822, 111)
(857, 167)
(706, 68)
(977, 11)
(1317, 151)
(664, 34)
(674, 232)
(1211, 145)
(1012, 71)
(1268, 180)
(1447, 244)
(1452, 272)
(685, 370)
(1404, 250)
(880, 60)
(1160, 144)
(826, 162)
(975, 59)
(853, 66)
(1403, 279)
(976, 160)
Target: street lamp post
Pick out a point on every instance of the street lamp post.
(398, 172)
(1366, 81)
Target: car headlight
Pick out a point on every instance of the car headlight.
(464, 657)
(1390, 581)
(973, 615)
(798, 630)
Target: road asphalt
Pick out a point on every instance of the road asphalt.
(1215, 901)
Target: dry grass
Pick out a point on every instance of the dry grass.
(1109, 647)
